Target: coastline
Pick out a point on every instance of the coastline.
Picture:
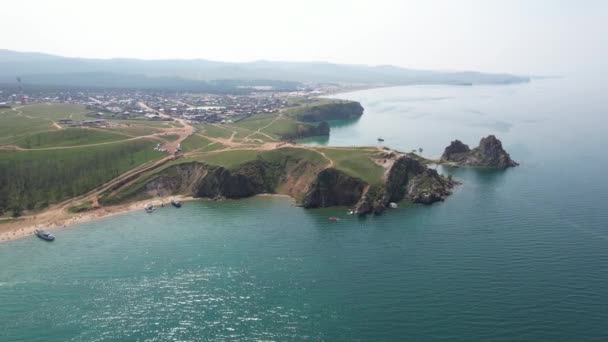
(59, 218)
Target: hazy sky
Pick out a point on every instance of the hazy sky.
(525, 36)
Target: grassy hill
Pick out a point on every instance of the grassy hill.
(34, 179)
(42, 162)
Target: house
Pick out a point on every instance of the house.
(93, 123)
(66, 121)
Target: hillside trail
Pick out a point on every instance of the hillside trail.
(331, 161)
(259, 131)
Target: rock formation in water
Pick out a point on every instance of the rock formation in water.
(489, 153)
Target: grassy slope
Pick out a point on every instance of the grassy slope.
(67, 137)
(55, 111)
(194, 142)
(229, 159)
(41, 177)
(13, 126)
(214, 131)
(33, 179)
(16, 125)
(356, 162)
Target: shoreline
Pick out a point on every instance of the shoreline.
(58, 219)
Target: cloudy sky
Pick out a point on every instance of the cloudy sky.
(534, 37)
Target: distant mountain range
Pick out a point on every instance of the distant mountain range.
(200, 74)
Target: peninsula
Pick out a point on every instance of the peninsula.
(65, 162)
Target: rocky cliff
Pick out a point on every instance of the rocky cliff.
(305, 130)
(332, 188)
(330, 111)
(489, 153)
(312, 184)
(290, 176)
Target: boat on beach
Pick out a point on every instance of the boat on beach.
(176, 204)
(44, 235)
(149, 208)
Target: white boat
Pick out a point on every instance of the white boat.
(149, 208)
(44, 235)
(393, 205)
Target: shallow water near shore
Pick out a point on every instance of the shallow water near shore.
(520, 254)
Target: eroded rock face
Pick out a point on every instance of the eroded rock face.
(456, 151)
(492, 154)
(332, 111)
(333, 187)
(245, 182)
(489, 153)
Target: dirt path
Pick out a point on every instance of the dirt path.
(280, 116)
(331, 161)
(157, 136)
(183, 132)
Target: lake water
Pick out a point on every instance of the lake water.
(520, 254)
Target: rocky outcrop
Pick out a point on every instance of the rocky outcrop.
(489, 153)
(409, 179)
(331, 111)
(456, 151)
(331, 188)
(429, 187)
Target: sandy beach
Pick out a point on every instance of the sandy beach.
(57, 218)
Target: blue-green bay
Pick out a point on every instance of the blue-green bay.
(520, 254)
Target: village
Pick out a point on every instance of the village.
(114, 104)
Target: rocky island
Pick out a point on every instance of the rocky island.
(489, 153)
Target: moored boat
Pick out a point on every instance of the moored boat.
(149, 208)
(176, 204)
(333, 219)
(44, 235)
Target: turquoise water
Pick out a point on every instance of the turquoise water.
(514, 255)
